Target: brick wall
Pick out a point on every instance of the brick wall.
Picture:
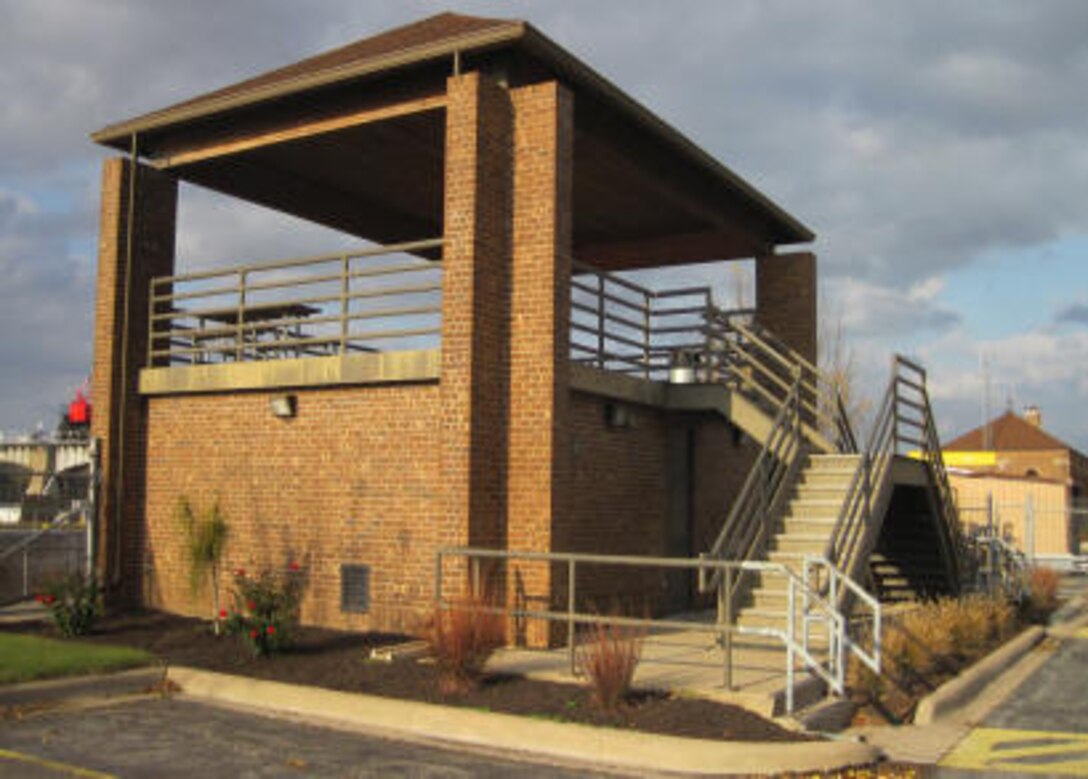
(538, 490)
(625, 490)
(120, 412)
(786, 299)
(475, 312)
(353, 478)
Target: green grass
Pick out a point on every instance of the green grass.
(26, 658)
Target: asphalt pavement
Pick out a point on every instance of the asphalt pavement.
(1041, 728)
(163, 738)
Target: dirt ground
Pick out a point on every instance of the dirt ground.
(340, 661)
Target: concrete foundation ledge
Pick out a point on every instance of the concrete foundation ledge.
(602, 747)
(953, 695)
(106, 685)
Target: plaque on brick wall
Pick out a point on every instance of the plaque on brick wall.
(354, 587)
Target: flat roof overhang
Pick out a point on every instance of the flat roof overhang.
(361, 149)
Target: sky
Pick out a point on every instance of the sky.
(938, 150)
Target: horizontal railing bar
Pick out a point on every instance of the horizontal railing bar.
(409, 246)
(204, 293)
(610, 277)
(682, 292)
(909, 383)
(760, 566)
(677, 311)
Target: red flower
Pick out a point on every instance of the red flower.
(40, 598)
(222, 613)
(251, 605)
(270, 630)
(240, 572)
(294, 565)
(254, 633)
(50, 600)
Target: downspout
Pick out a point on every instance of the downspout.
(119, 480)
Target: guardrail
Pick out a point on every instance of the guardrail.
(362, 301)
(904, 423)
(618, 325)
(749, 525)
(805, 607)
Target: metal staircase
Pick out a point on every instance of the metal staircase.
(813, 504)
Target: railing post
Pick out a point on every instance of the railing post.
(571, 602)
(895, 404)
(239, 335)
(725, 621)
(646, 334)
(345, 292)
(26, 574)
(791, 602)
(151, 329)
(867, 465)
(600, 321)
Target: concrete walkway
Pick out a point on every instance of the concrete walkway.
(691, 662)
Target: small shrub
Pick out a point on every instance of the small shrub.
(205, 541)
(74, 603)
(266, 608)
(609, 660)
(1042, 593)
(462, 637)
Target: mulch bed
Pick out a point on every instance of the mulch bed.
(338, 660)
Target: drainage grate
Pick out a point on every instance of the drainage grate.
(354, 587)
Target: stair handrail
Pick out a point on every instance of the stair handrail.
(746, 529)
(822, 576)
(866, 488)
(905, 417)
(772, 364)
(926, 445)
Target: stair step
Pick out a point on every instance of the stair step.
(835, 492)
(822, 462)
(810, 525)
(820, 509)
(804, 544)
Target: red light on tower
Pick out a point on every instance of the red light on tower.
(79, 410)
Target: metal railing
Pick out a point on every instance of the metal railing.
(33, 547)
(372, 300)
(805, 608)
(1001, 567)
(820, 575)
(621, 326)
(903, 423)
(618, 325)
(750, 523)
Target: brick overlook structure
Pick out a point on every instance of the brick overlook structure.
(512, 429)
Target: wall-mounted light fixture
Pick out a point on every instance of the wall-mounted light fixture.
(284, 406)
(617, 416)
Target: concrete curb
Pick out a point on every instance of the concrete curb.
(601, 747)
(107, 685)
(955, 694)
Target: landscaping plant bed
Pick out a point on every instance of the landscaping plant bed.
(338, 660)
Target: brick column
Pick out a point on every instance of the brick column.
(121, 304)
(475, 313)
(539, 458)
(786, 299)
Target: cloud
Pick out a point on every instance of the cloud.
(1074, 313)
(915, 138)
(874, 311)
(1042, 367)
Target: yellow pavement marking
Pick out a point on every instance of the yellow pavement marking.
(71, 770)
(1024, 751)
(1082, 633)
